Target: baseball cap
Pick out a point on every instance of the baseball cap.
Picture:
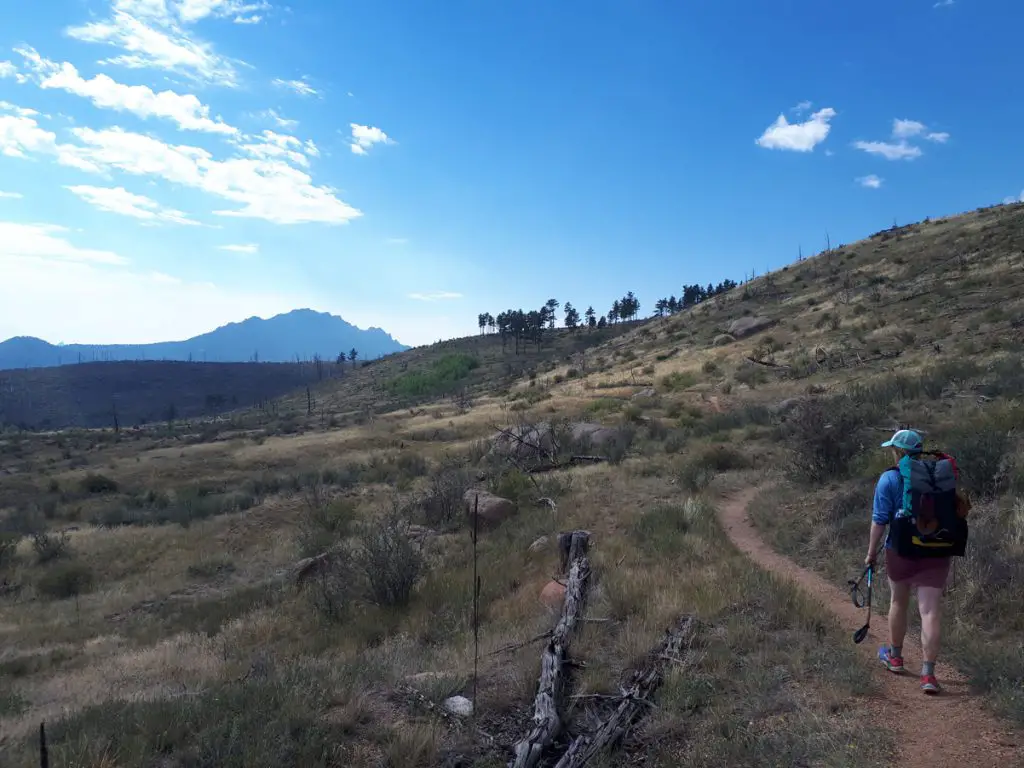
(907, 439)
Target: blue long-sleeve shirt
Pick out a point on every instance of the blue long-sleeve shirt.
(887, 502)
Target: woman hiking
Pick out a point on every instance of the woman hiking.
(928, 574)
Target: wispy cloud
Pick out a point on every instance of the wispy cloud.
(267, 186)
(281, 122)
(900, 148)
(871, 181)
(435, 296)
(193, 10)
(798, 137)
(124, 203)
(152, 38)
(904, 129)
(7, 69)
(1011, 200)
(185, 110)
(944, 3)
(248, 248)
(300, 87)
(6, 106)
(365, 136)
(11, 195)
(44, 241)
(397, 241)
(890, 151)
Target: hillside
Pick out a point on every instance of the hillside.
(128, 394)
(299, 335)
(282, 587)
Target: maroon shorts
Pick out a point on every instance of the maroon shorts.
(919, 572)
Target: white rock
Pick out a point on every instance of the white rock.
(459, 705)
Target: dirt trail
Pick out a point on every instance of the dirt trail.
(949, 729)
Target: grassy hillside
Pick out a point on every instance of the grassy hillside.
(163, 624)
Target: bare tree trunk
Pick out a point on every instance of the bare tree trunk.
(548, 722)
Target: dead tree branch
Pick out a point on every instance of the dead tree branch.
(635, 699)
(546, 717)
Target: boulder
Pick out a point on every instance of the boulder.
(536, 442)
(648, 393)
(492, 510)
(553, 595)
(596, 436)
(723, 339)
(749, 325)
(459, 705)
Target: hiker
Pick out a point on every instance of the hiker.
(928, 574)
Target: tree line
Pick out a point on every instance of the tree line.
(528, 326)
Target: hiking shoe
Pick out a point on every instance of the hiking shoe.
(892, 663)
(929, 684)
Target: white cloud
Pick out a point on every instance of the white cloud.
(300, 87)
(1011, 200)
(193, 10)
(151, 39)
(270, 146)
(944, 3)
(798, 137)
(40, 241)
(905, 129)
(898, 151)
(266, 188)
(6, 106)
(11, 195)
(244, 248)
(7, 69)
(185, 110)
(281, 122)
(871, 181)
(435, 296)
(938, 138)
(365, 136)
(802, 107)
(119, 200)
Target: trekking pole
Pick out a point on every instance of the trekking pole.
(861, 633)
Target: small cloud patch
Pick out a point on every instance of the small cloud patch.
(798, 137)
(435, 296)
(870, 181)
(364, 137)
(247, 248)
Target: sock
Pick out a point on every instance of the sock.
(927, 667)
(896, 651)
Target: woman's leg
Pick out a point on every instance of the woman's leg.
(898, 605)
(929, 600)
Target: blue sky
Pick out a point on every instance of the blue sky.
(167, 166)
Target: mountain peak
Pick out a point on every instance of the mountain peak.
(300, 333)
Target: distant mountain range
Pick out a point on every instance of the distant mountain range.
(300, 333)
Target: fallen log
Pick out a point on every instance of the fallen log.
(546, 717)
(635, 700)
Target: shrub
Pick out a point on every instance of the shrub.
(8, 549)
(694, 475)
(617, 448)
(65, 580)
(49, 546)
(982, 452)
(323, 524)
(445, 498)
(678, 381)
(93, 483)
(389, 561)
(440, 377)
(824, 436)
(710, 367)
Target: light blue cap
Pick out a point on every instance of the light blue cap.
(907, 439)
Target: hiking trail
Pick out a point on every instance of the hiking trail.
(949, 729)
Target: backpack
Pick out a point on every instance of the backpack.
(932, 518)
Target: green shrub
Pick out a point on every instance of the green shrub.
(440, 377)
(389, 561)
(679, 380)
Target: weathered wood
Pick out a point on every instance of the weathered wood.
(635, 699)
(546, 717)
